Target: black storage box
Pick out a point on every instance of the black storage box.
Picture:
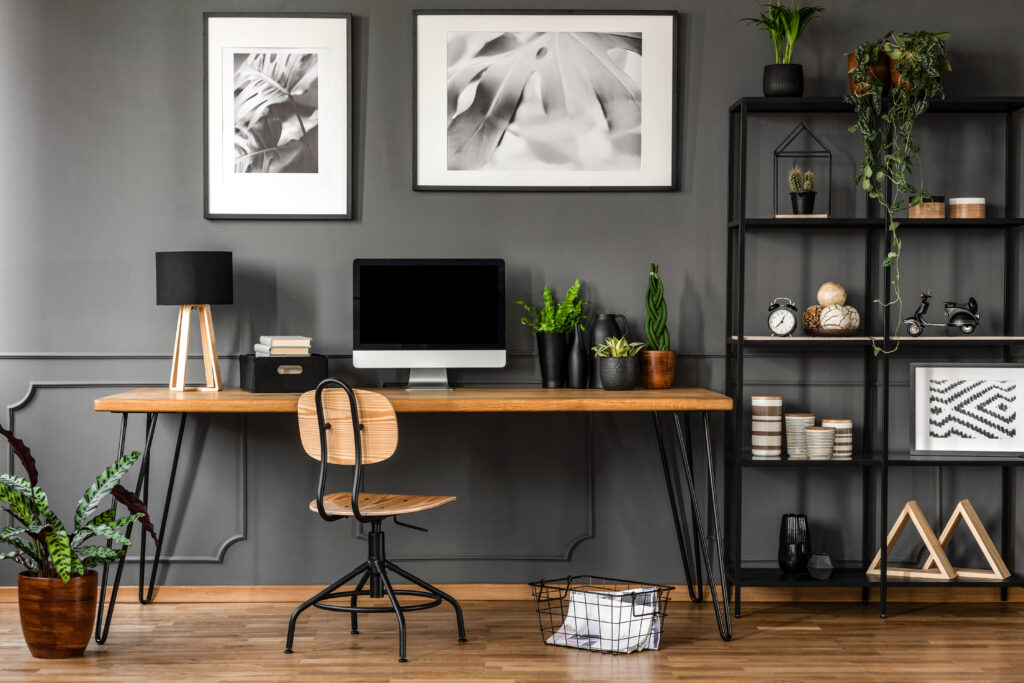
(281, 374)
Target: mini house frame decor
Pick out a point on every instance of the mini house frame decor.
(785, 150)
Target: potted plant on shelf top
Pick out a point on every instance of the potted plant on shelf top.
(57, 589)
(657, 360)
(886, 128)
(550, 324)
(785, 25)
(801, 191)
(617, 362)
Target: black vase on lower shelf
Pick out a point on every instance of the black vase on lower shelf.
(551, 349)
(794, 544)
(783, 80)
(578, 361)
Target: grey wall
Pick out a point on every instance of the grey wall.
(102, 166)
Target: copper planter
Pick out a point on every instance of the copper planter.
(57, 618)
(657, 368)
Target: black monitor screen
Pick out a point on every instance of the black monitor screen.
(429, 304)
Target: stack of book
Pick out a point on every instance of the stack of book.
(283, 346)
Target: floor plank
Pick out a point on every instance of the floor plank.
(244, 642)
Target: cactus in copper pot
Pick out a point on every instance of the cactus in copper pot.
(657, 313)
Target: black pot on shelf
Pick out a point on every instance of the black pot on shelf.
(578, 361)
(794, 544)
(783, 80)
(606, 325)
(551, 349)
(618, 374)
(803, 202)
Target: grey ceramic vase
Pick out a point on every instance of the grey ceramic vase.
(820, 566)
(618, 374)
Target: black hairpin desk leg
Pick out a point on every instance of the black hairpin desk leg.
(141, 487)
(696, 589)
(722, 615)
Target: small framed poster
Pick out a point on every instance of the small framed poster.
(278, 123)
(545, 100)
(967, 409)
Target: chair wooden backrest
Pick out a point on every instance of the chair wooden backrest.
(378, 426)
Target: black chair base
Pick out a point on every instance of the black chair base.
(375, 572)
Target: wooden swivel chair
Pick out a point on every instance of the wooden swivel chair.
(342, 426)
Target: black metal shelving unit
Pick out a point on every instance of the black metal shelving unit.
(874, 458)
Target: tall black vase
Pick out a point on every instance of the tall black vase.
(579, 359)
(551, 348)
(794, 544)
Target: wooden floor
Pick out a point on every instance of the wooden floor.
(210, 642)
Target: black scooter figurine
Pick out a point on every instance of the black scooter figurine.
(962, 316)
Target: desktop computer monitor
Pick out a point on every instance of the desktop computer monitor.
(428, 315)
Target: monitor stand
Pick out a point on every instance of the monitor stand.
(428, 378)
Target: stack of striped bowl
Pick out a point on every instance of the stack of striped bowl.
(796, 439)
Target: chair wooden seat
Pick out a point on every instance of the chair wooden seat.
(379, 504)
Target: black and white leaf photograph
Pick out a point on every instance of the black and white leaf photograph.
(276, 112)
(551, 100)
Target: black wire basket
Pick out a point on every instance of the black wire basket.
(601, 614)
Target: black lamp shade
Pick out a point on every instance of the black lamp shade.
(193, 277)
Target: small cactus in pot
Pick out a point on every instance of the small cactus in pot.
(617, 362)
(801, 191)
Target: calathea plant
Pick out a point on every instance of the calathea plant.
(886, 127)
(40, 541)
(553, 317)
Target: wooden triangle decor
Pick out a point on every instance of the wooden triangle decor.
(912, 513)
(964, 512)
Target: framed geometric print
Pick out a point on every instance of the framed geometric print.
(278, 115)
(967, 408)
(545, 100)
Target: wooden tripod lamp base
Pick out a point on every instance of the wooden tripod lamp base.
(180, 358)
(192, 281)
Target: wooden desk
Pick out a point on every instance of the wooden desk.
(491, 400)
(156, 401)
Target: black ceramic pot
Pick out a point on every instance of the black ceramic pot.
(606, 325)
(618, 374)
(551, 349)
(794, 544)
(803, 202)
(783, 80)
(578, 361)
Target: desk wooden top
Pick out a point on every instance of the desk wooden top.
(468, 400)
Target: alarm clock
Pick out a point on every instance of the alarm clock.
(782, 317)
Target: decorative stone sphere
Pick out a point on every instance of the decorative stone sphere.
(831, 293)
(836, 317)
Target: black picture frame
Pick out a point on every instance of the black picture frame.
(917, 452)
(349, 214)
(672, 186)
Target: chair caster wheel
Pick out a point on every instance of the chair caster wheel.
(402, 660)
(288, 651)
(463, 640)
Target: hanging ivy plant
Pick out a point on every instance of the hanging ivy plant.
(886, 126)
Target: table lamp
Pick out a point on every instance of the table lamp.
(194, 280)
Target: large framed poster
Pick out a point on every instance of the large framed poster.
(535, 100)
(278, 122)
(967, 409)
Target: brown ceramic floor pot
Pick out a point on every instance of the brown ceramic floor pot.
(57, 618)
(877, 72)
(657, 368)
